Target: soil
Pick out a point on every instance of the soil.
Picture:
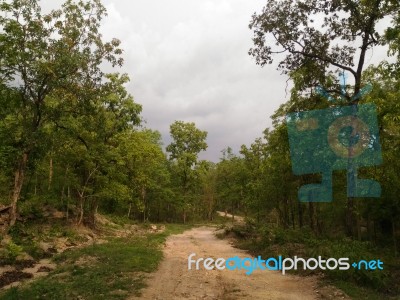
(237, 219)
(12, 276)
(173, 280)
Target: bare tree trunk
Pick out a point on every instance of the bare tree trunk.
(35, 192)
(62, 195)
(82, 196)
(143, 194)
(286, 212)
(369, 228)
(292, 215)
(394, 236)
(210, 207)
(312, 215)
(317, 219)
(63, 188)
(350, 216)
(67, 210)
(184, 203)
(19, 177)
(93, 211)
(81, 204)
(50, 173)
(358, 228)
(130, 209)
(300, 209)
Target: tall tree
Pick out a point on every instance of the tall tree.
(231, 182)
(43, 55)
(188, 142)
(321, 38)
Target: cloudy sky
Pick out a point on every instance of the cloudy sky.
(188, 61)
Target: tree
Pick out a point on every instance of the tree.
(188, 142)
(144, 165)
(392, 36)
(45, 55)
(321, 38)
(205, 187)
(231, 182)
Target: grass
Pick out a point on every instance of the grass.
(28, 234)
(359, 284)
(111, 270)
(357, 292)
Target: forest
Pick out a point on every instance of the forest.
(72, 139)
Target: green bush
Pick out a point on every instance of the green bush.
(269, 241)
(32, 208)
(10, 252)
(355, 251)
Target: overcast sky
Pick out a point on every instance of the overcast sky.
(188, 61)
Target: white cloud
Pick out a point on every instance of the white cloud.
(188, 60)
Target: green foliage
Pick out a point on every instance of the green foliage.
(77, 145)
(231, 178)
(187, 143)
(10, 252)
(320, 38)
(112, 270)
(270, 241)
(32, 208)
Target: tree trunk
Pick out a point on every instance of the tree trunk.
(143, 194)
(81, 208)
(394, 236)
(300, 209)
(311, 214)
(35, 191)
(50, 173)
(369, 228)
(359, 228)
(63, 187)
(317, 219)
(67, 209)
(210, 207)
(130, 209)
(350, 216)
(292, 215)
(232, 209)
(19, 177)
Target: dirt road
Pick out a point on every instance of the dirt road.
(237, 219)
(173, 280)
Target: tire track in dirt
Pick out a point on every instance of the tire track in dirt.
(173, 280)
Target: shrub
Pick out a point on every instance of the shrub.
(10, 252)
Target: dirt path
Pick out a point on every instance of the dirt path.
(173, 280)
(237, 219)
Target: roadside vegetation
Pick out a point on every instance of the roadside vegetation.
(112, 268)
(272, 241)
(74, 147)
